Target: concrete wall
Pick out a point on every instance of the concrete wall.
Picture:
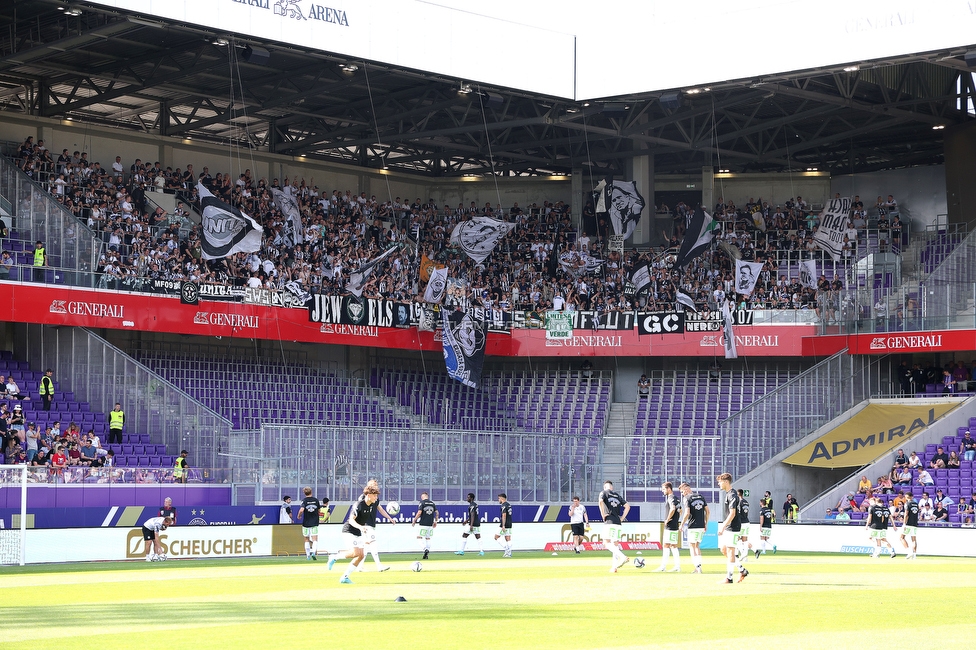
(104, 144)
(775, 189)
(920, 191)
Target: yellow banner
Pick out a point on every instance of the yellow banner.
(876, 429)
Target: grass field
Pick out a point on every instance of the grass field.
(531, 601)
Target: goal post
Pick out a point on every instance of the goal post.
(13, 533)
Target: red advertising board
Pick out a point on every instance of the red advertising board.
(59, 305)
(892, 342)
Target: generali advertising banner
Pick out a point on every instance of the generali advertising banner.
(69, 306)
(892, 342)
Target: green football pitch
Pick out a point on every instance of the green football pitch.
(534, 600)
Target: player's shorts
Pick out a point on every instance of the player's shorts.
(310, 532)
(744, 530)
(765, 532)
(474, 531)
(730, 538)
(879, 534)
(504, 532)
(613, 532)
(369, 535)
(426, 532)
(578, 529)
(695, 535)
(148, 535)
(353, 541)
(908, 531)
(672, 536)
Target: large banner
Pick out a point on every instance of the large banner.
(478, 237)
(387, 324)
(226, 230)
(624, 204)
(833, 224)
(873, 431)
(464, 347)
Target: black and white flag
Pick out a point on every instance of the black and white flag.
(682, 298)
(296, 289)
(833, 225)
(436, 286)
(464, 347)
(576, 264)
(292, 232)
(624, 204)
(697, 239)
(641, 278)
(479, 236)
(357, 279)
(426, 320)
(808, 274)
(226, 230)
(746, 276)
(728, 335)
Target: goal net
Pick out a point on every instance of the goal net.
(13, 528)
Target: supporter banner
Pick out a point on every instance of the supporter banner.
(517, 334)
(436, 286)
(728, 333)
(833, 223)
(682, 299)
(873, 431)
(577, 264)
(292, 230)
(711, 321)
(641, 278)
(559, 325)
(660, 323)
(464, 347)
(624, 204)
(348, 310)
(226, 230)
(358, 278)
(697, 238)
(808, 274)
(746, 276)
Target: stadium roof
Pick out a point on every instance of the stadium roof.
(99, 65)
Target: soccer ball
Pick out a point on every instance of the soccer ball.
(639, 563)
(154, 558)
(393, 508)
(416, 566)
(161, 557)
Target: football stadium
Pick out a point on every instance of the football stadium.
(629, 325)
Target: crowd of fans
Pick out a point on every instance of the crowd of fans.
(908, 471)
(541, 265)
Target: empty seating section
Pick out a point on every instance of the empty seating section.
(938, 248)
(676, 434)
(957, 484)
(250, 391)
(556, 402)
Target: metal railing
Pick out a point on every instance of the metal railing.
(780, 418)
(101, 374)
(448, 464)
(78, 475)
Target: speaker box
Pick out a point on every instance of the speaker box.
(256, 55)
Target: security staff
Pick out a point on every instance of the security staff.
(40, 261)
(181, 469)
(116, 419)
(47, 389)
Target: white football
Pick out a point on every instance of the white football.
(393, 508)
(639, 563)
(162, 557)
(416, 566)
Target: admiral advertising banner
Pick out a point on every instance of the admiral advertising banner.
(873, 431)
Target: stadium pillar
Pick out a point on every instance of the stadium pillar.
(960, 157)
(708, 188)
(640, 169)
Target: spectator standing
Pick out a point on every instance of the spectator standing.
(47, 389)
(791, 510)
(168, 510)
(116, 420)
(284, 513)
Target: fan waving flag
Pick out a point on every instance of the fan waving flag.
(641, 278)
(292, 230)
(683, 299)
(746, 276)
(728, 336)
(464, 347)
(226, 230)
(436, 286)
(357, 279)
(697, 239)
(808, 274)
(479, 236)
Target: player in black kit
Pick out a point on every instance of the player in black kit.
(505, 525)
(672, 528)
(310, 524)
(473, 523)
(766, 516)
(877, 524)
(728, 530)
(427, 516)
(696, 518)
(909, 527)
(363, 514)
(614, 509)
